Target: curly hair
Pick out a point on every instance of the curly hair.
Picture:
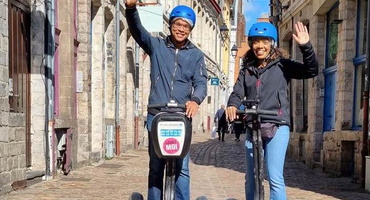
(250, 58)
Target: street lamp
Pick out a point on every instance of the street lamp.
(224, 31)
(234, 51)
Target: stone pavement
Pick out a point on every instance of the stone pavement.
(217, 171)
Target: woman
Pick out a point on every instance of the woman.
(265, 76)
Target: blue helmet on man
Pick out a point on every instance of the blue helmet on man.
(263, 29)
(183, 12)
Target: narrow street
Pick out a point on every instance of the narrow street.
(217, 171)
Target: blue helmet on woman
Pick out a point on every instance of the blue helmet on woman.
(263, 29)
(183, 12)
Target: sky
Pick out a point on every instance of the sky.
(254, 9)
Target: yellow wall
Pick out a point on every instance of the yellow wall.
(226, 42)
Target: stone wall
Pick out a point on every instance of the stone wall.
(5, 169)
(342, 153)
(12, 125)
(97, 80)
(38, 100)
(315, 147)
(345, 74)
(82, 145)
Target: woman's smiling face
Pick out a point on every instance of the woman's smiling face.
(261, 47)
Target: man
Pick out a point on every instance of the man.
(178, 73)
(220, 120)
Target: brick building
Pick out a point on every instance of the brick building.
(327, 110)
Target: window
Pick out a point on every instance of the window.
(305, 97)
(330, 71)
(332, 37)
(19, 57)
(359, 88)
(360, 62)
(362, 16)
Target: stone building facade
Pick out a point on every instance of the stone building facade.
(327, 110)
(79, 93)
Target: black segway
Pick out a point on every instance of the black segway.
(253, 110)
(171, 136)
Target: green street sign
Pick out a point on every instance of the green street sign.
(215, 81)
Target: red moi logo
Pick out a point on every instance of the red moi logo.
(171, 145)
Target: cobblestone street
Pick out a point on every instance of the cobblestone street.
(217, 171)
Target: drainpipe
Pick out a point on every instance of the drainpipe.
(365, 123)
(118, 42)
(136, 119)
(218, 48)
(50, 90)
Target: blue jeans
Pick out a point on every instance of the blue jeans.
(156, 173)
(274, 157)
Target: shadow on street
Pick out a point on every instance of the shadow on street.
(299, 178)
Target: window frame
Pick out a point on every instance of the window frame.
(358, 61)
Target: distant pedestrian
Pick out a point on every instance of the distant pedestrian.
(239, 125)
(220, 120)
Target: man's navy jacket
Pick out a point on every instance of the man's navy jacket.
(175, 74)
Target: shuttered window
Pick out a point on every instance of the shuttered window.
(19, 57)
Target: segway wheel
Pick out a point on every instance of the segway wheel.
(136, 196)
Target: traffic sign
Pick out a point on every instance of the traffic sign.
(215, 81)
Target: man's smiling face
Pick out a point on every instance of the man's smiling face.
(180, 30)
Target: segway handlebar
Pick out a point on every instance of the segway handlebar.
(257, 112)
(167, 105)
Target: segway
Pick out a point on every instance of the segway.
(171, 136)
(253, 110)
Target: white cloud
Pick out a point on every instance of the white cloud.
(264, 15)
(247, 6)
(254, 9)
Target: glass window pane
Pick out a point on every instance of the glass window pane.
(360, 83)
(332, 37)
(362, 28)
(305, 105)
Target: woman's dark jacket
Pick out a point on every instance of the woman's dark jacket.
(270, 84)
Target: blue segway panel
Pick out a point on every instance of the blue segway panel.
(171, 135)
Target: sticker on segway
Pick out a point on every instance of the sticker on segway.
(171, 146)
(171, 137)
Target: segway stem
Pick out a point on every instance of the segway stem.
(170, 186)
(171, 132)
(258, 156)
